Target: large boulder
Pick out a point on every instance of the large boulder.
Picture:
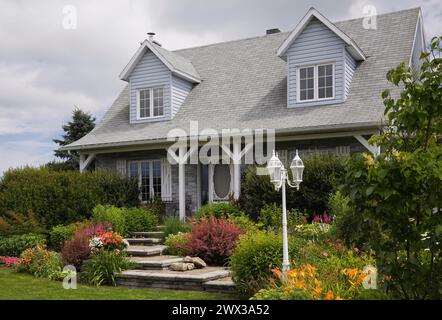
(198, 262)
(181, 266)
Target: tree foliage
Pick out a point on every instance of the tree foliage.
(397, 196)
(81, 124)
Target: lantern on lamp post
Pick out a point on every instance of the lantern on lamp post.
(279, 177)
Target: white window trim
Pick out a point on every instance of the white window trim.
(140, 178)
(315, 82)
(151, 103)
(298, 83)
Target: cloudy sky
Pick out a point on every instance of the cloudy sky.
(46, 70)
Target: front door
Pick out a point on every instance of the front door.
(220, 182)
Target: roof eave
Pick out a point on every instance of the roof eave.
(124, 75)
(354, 49)
(307, 130)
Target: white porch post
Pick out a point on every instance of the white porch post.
(198, 185)
(374, 149)
(85, 162)
(181, 183)
(236, 170)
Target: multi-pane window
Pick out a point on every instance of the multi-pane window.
(144, 103)
(307, 83)
(325, 81)
(316, 82)
(158, 102)
(148, 174)
(150, 103)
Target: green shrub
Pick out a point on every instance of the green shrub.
(15, 245)
(63, 197)
(245, 223)
(60, 234)
(313, 231)
(270, 216)
(139, 219)
(255, 255)
(103, 266)
(176, 242)
(218, 210)
(14, 223)
(347, 225)
(41, 263)
(322, 175)
(112, 215)
(174, 226)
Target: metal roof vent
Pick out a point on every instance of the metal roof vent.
(151, 36)
(272, 31)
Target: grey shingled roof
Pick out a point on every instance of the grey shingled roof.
(245, 86)
(178, 62)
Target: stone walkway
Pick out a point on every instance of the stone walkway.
(152, 269)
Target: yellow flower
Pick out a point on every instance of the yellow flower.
(316, 292)
(338, 298)
(369, 160)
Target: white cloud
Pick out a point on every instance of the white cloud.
(45, 70)
(24, 152)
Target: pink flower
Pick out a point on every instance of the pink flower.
(9, 262)
(325, 254)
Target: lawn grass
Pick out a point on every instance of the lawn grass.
(19, 286)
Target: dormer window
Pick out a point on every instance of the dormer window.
(316, 82)
(150, 103)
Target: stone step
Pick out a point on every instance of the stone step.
(144, 241)
(223, 285)
(167, 279)
(155, 262)
(160, 228)
(145, 251)
(148, 234)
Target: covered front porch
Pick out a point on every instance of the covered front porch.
(199, 177)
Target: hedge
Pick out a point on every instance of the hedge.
(322, 175)
(13, 246)
(65, 196)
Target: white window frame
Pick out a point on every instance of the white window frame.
(315, 82)
(151, 106)
(140, 177)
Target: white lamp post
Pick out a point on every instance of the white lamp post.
(279, 177)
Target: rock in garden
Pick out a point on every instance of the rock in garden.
(181, 266)
(198, 262)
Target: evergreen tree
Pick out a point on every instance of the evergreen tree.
(80, 125)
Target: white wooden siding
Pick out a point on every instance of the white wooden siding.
(315, 45)
(180, 90)
(150, 72)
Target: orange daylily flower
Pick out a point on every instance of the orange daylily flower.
(329, 295)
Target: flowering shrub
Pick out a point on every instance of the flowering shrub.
(40, 262)
(307, 283)
(95, 229)
(325, 218)
(9, 262)
(176, 242)
(78, 249)
(108, 241)
(212, 240)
